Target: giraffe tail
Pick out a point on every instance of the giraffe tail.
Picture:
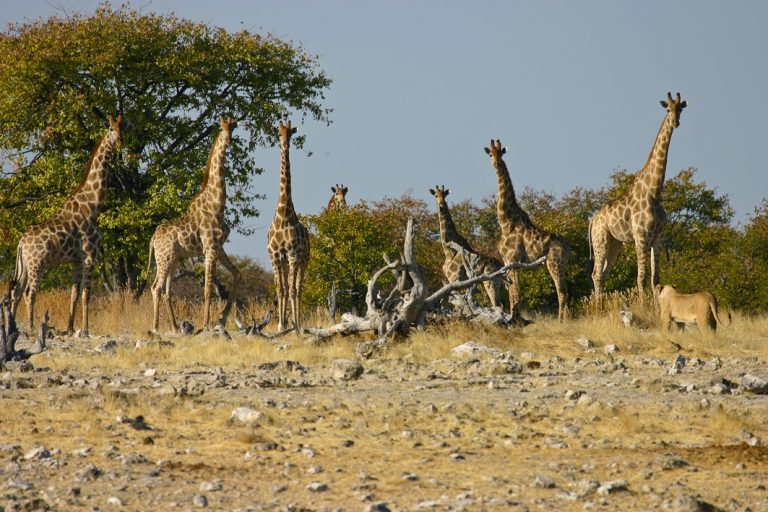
(589, 240)
(19, 274)
(149, 258)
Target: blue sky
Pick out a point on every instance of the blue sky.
(571, 88)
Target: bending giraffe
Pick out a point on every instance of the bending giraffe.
(72, 236)
(453, 265)
(288, 241)
(339, 198)
(522, 241)
(638, 215)
(201, 231)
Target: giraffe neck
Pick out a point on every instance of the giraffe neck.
(284, 202)
(89, 196)
(508, 211)
(214, 190)
(448, 231)
(650, 180)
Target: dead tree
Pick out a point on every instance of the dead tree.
(9, 334)
(404, 307)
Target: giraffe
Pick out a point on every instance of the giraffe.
(201, 231)
(453, 266)
(288, 240)
(522, 241)
(72, 236)
(339, 198)
(638, 215)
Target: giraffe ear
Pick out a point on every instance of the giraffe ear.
(344, 190)
(504, 150)
(683, 105)
(294, 129)
(664, 103)
(333, 189)
(487, 151)
(432, 191)
(447, 191)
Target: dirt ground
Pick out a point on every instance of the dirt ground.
(482, 431)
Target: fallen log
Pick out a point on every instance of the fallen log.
(405, 308)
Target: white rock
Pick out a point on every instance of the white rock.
(114, 501)
(317, 487)
(245, 414)
(472, 348)
(585, 342)
(345, 369)
(611, 349)
(39, 452)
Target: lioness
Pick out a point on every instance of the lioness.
(688, 308)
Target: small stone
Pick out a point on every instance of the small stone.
(199, 500)
(314, 470)
(543, 482)
(39, 452)
(679, 362)
(411, 477)
(245, 414)
(317, 487)
(574, 395)
(473, 348)
(21, 484)
(150, 372)
(345, 369)
(210, 486)
(611, 349)
(380, 506)
(688, 503)
(114, 501)
(585, 342)
(611, 487)
(82, 452)
(754, 384)
(107, 346)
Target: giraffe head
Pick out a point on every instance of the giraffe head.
(496, 150)
(286, 130)
(674, 108)
(114, 126)
(226, 125)
(440, 194)
(339, 199)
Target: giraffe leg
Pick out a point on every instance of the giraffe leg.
(77, 278)
(655, 275)
(30, 295)
(293, 289)
(157, 289)
(168, 300)
(86, 291)
(642, 248)
(281, 290)
(606, 254)
(514, 293)
(302, 267)
(210, 268)
(557, 272)
(234, 292)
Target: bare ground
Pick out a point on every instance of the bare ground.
(523, 430)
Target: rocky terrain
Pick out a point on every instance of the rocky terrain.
(115, 424)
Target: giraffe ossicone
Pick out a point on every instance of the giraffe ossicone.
(71, 236)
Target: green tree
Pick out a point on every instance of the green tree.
(172, 79)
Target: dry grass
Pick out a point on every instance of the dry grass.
(118, 315)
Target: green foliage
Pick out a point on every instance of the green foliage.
(347, 248)
(172, 79)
